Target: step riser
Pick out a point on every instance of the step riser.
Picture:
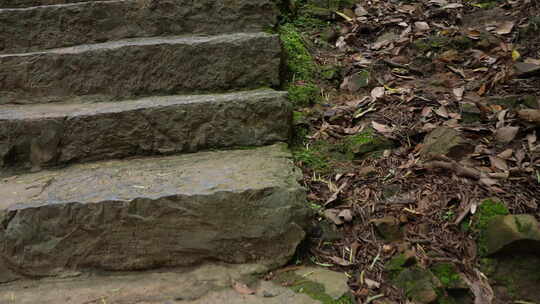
(229, 206)
(141, 67)
(147, 127)
(25, 30)
(159, 233)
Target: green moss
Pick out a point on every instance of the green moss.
(301, 68)
(299, 61)
(396, 265)
(488, 266)
(446, 273)
(365, 142)
(523, 227)
(304, 95)
(329, 72)
(488, 209)
(314, 290)
(486, 5)
(419, 284)
(314, 156)
(461, 43)
(441, 43)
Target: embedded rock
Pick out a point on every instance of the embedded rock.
(513, 233)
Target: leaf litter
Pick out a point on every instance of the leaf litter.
(408, 68)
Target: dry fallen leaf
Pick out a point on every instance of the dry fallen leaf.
(421, 26)
(372, 284)
(442, 111)
(506, 134)
(346, 215)
(377, 92)
(381, 128)
(458, 92)
(332, 215)
(340, 261)
(453, 5)
(242, 288)
(506, 154)
(530, 115)
(505, 28)
(498, 163)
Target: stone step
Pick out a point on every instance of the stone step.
(208, 284)
(53, 26)
(141, 67)
(30, 3)
(239, 206)
(35, 136)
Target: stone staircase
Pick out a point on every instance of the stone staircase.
(134, 135)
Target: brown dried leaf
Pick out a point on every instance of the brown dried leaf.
(377, 92)
(426, 111)
(498, 163)
(332, 215)
(381, 128)
(242, 288)
(458, 92)
(506, 154)
(372, 284)
(346, 215)
(506, 134)
(442, 111)
(421, 26)
(530, 115)
(340, 261)
(505, 28)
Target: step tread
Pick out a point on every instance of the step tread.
(199, 173)
(47, 135)
(69, 110)
(152, 287)
(145, 41)
(138, 67)
(53, 26)
(236, 206)
(33, 3)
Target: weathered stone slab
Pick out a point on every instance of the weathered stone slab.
(46, 27)
(141, 67)
(208, 284)
(29, 3)
(238, 206)
(35, 136)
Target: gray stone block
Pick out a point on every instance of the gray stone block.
(35, 136)
(238, 206)
(141, 67)
(54, 26)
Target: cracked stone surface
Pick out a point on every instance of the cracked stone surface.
(141, 67)
(209, 284)
(37, 136)
(46, 27)
(238, 206)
